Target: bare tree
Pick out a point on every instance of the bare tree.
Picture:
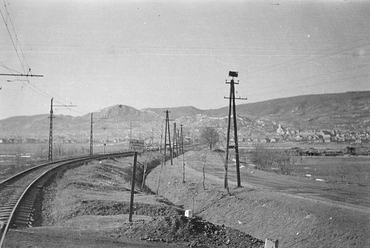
(341, 171)
(209, 136)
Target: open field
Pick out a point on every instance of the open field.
(299, 212)
(340, 169)
(88, 207)
(18, 157)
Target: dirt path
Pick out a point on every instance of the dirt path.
(293, 210)
(343, 196)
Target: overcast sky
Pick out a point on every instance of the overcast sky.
(95, 54)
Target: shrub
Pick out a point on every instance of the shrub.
(271, 159)
(145, 164)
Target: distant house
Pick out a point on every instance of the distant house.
(298, 138)
(280, 130)
(273, 140)
(327, 138)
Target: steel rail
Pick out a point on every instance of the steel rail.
(59, 164)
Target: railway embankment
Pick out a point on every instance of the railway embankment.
(296, 219)
(91, 202)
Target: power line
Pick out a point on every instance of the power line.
(15, 34)
(11, 38)
(310, 60)
(291, 85)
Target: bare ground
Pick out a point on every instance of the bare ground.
(87, 207)
(296, 211)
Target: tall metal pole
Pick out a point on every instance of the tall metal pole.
(50, 156)
(91, 136)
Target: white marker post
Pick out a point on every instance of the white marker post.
(135, 146)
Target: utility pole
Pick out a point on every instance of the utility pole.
(152, 138)
(177, 142)
(183, 156)
(174, 140)
(232, 74)
(167, 130)
(130, 130)
(182, 139)
(91, 135)
(50, 156)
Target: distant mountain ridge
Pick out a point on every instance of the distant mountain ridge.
(176, 112)
(344, 111)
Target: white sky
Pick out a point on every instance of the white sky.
(95, 54)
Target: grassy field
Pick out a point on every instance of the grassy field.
(345, 169)
(340, 169)
(18, 157)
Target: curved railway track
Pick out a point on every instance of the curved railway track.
(19, 192)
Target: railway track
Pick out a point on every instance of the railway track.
(19, 192)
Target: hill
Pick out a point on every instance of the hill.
(345, 111)
(177, 112)
(327, 111)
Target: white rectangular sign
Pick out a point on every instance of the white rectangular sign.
(136, 145)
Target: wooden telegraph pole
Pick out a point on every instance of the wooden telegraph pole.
(232, 74)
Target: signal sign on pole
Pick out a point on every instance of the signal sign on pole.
(136, 145)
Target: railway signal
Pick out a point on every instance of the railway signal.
(135, 146)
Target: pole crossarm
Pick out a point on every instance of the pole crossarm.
(236, 98)
(66, 106)
(20, 75)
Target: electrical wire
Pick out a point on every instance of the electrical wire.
(16, 36)
(11, 38)
(310, 60)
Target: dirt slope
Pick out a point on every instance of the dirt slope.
(88, 207)
(296, 221)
